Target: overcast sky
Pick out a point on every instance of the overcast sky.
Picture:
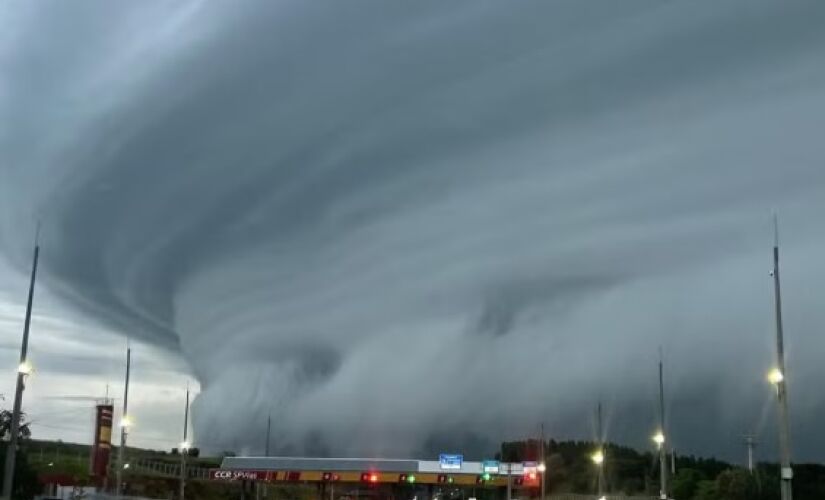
(411, 227)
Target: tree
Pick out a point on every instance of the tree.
(706, 490)
(685, 483)
(24, 432)
(736, 484)
(25, 478)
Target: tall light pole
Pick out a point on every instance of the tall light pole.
(600, 452)
(659, 438)
(268, 432)
(543, 466)
(184, 447)
(750, 443)
(779, 378)
(22, 371)
(598, 456)
(125, 422)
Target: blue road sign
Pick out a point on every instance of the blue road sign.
(450, 462)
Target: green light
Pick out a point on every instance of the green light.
(486, 476)
(450, 479)
(410, 478)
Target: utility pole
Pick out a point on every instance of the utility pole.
(184, 447)
(23, 371)
(124, 426)
(600, 438)
(786, 472)
(663, 444)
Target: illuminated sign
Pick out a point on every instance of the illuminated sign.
(491, 466)
(242, 475)
(450, 462)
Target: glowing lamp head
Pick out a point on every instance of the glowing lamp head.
(775, 376)
(126, 421)
(25, 368)
(541, 467)
(598, 457)
(185, 445)
(659, 438)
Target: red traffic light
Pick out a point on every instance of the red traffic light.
(369, 477)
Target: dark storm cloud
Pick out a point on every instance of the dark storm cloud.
(403, 226)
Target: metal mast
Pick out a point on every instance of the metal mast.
(124, 426)
(663, 444)
(184, 447)
(22, 371)
(781, 384)
(601, 448)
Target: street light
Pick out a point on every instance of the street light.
(541, 467)
(126, 421)
(775, 376)
(185, 446)
(598, 457)
(659, 438)
(25, 368)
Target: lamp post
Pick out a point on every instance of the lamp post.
(542, 468)
(777, 377)
(24, 369)
(125, 423)
(184, 447)
(659, 439)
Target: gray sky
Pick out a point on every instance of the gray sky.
(410, 227)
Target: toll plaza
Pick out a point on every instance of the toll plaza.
(450, 477)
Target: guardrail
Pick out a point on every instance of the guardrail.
(160, 468)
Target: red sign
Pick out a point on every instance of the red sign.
(102, 441)
(242, 475)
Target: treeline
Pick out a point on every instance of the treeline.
(570, 469)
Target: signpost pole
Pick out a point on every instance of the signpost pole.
(509, 481)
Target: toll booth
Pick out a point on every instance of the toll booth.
(449, 478)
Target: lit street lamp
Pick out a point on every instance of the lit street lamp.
(775, 376)
(25, 368)
(659, 439)
(126, 422)
(598, 458)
